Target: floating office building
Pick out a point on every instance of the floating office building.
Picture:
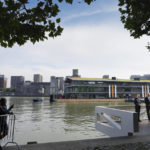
(88, 88)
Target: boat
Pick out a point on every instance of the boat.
(37, 100)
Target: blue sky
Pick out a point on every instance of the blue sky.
(93, 41)
(97, 12)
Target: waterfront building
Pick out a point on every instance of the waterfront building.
(38, 78)
(3, 81)
(78, 87)
(16, 80)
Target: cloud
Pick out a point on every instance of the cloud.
(95, 50)
(89, 13)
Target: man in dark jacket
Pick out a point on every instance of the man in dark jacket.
(147, 104)
(137, 106)
(3, 119)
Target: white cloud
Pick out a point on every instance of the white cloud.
(89, 13)
(95, 50)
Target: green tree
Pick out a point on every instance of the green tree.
(20, 23)
(135, 15)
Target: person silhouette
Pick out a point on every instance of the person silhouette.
(147, 104)
(3, 119)
(137, 106)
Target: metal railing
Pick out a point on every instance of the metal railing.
(7, 125)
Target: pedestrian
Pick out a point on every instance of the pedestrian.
(3, 119)
(137, 106)
(147, 104)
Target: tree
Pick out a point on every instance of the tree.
(20, 23)
(135, 15)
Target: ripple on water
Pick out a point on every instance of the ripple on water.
(46, 122)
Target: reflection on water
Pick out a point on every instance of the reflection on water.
(50, 122)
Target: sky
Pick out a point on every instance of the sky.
(94, 41)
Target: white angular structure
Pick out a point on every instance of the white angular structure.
(115, 122)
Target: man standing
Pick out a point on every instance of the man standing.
(147, 104)
(137, 106)
(3, 119)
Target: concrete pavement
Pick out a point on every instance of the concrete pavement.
(84, 144)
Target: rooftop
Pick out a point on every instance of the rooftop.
(102, 79)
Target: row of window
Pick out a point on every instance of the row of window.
(103, 89)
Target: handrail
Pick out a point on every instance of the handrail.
(7, 125)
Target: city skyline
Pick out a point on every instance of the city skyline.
(140, 76)
(94, 41)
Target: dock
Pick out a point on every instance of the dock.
(89, 100)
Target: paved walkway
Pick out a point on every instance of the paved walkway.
(142, 136)
(144, 128)
(84, 144)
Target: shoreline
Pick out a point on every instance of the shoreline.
(73, 100)
(90, 100)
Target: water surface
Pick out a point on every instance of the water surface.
(51, 122)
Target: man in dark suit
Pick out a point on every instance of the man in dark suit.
(147, 104)
(137, 106)
(3, 118)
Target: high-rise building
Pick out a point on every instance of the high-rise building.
(3, 81)
(38, 78)
(57, 85)
(16, 80)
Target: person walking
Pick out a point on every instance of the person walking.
(147, 104)
(137, 106)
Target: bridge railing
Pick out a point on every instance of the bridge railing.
(7, 126)
(115, 122)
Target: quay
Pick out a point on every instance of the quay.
(119, 143)
(90, 100)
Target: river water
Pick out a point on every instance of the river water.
(53, 122)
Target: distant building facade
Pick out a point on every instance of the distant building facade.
(3, 81)
(139, 77)
(104, 88)
(57, 86)
(16, 80)
(38, 78)
(33, 89)
(88, 88)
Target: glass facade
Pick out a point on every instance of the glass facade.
(77, 88)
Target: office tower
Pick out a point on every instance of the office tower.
(3, 81)
(16, 80)
(38, 78)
